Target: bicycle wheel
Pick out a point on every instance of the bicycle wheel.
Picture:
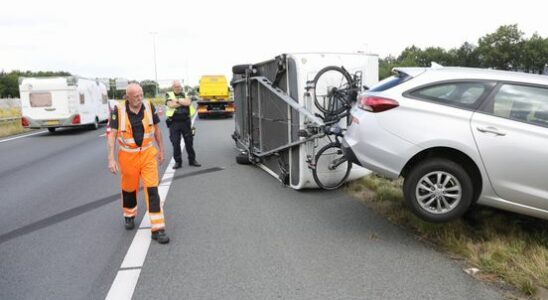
(332, 168)
(331, 88)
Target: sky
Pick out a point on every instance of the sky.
(116, 39)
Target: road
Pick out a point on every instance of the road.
(236, 233)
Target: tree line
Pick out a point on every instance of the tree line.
(9, 84)
(505, 49)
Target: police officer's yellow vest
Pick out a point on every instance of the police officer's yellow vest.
(170, 111)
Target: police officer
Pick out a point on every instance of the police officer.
(179, 113)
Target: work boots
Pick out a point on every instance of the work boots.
(129, 223)
(195, 163)
(160, 236)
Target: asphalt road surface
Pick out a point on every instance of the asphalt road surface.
(236, 232)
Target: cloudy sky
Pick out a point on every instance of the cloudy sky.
(195, 37)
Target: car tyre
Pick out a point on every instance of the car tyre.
(449, 194)
(51, 129)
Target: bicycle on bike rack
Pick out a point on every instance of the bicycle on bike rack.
(333, 92)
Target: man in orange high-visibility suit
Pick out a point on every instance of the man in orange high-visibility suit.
(133, 125)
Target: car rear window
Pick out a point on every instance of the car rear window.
(390, 82)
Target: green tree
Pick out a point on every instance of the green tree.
(9, 82)
(149, 88)
(435, 54)
(410, 57)
(501, 49)
(386, 65)
(466, 55)
(535, 54)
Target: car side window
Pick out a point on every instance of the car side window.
(460, 94)
(521, 103)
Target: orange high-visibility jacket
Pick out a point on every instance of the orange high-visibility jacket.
(125, 133)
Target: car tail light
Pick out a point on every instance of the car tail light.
(376, 104)
(24, 122)
(76, 120)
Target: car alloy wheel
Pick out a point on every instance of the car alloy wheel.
(438, 192)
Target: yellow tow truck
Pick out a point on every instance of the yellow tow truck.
(215, 97)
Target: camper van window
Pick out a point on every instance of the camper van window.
(40, 99)
(82, 99)
(105, 99)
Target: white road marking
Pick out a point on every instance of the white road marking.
(137, 252)
(22, 136)
(126, 279)
(124, 284)
(102, 135)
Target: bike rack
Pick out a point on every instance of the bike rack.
(271, 100)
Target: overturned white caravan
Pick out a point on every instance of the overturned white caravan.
(54, 102)
(292, 110)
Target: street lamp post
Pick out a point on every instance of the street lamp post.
(155, 68)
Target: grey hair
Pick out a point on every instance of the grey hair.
(132, 85)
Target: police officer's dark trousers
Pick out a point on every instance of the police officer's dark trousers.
(177, 129)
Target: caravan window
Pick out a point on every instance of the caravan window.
(105, 99)
(40, 99)
(82, 99)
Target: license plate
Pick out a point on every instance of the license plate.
(52, 122)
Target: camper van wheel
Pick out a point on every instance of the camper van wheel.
(240, 69)
(243, 159)
(95, 124)
(51, 129)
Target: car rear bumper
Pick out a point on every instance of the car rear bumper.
(349, 154)
(376, 148)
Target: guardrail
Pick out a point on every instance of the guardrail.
(9, 119)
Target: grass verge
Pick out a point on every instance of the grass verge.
(11, 128)
(503, 246)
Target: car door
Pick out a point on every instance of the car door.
(511, 133)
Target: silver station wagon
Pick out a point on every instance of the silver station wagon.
(458, 136)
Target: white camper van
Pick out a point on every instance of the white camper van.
(53, 102)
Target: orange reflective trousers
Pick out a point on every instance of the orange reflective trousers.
(141, 166)
(139, 163)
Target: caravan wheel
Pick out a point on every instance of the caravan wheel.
(95, 124)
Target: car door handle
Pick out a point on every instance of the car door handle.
(490, 129)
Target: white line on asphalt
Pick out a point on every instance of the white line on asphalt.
(102, 135)
(137, 252)
(21, 136)
(126, 280)
(124, 284)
